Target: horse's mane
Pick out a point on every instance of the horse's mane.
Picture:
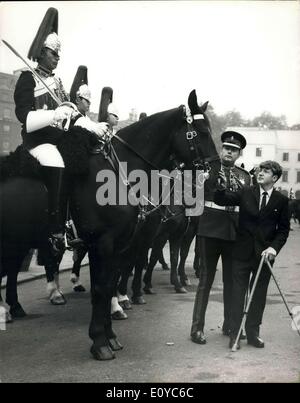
(19, 163)
(157, 122)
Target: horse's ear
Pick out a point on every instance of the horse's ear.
(192, 102)
(204, 107)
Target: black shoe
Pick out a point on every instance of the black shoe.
(232, 341)
(226, 331)
(198, 337)
(255, 341)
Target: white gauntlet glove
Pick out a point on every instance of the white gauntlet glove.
(60, 114)
(102, 130)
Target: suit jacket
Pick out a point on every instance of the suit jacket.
(257, 229)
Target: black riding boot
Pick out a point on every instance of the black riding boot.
(55, 181)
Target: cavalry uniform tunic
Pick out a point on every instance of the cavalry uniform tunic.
(31, 95)
(217, 231)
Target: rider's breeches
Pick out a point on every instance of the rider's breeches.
(54, 177)
(48, 155)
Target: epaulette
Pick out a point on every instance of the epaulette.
(242, 169)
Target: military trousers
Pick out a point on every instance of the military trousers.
(211, 250)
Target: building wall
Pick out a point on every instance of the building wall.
(274, 144)
(10, 127)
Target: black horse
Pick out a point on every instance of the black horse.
(108, 229)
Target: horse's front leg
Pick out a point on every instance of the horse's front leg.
(51, 264)
(184, 251)
(174, 255)
(103, 277)
(16, 310)
(123, 299)
(140, 264)
(162, 261)
(79, 253)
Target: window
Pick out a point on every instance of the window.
(7, 114)
(298, 176)
(285, 176)
(285, 156)
(258, 151)
(5, 145)
(6, 128)
(298, 156)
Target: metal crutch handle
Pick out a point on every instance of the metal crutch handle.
(234, 347)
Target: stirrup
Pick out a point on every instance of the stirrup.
(57, 242)
(71, 237)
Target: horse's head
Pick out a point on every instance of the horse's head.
(193, 143)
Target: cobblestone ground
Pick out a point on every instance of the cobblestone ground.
(52, 344)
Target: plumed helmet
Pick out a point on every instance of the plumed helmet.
(143, 115)
(106, 99)
(46, 36)
(79, 86)
(112, 109)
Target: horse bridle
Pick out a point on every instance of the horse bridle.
(198, 162)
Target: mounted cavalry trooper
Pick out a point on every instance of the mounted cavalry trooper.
(42, 119)
(108, 113)
(80, 95)
(217, 232)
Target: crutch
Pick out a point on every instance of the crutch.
(234, 347)
(283, 297)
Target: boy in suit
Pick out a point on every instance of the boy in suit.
(262, 231)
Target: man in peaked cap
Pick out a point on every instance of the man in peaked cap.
(217, 232)
(80, 95)
(42, 119)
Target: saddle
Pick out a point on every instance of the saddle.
(75, 149)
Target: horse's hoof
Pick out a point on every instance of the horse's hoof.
(185, 282)
(119, 315)
(149, 291)
(8, 317)
(138, 300)
(180, 290)
(125, 304)
(79, 288)
(114, 344)
(102, 353)
(57, 298)
(17, 311)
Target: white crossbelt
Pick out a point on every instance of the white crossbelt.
(216, 206)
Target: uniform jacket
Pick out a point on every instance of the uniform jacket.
(220, 224)
(31, 95)
(257, 229)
